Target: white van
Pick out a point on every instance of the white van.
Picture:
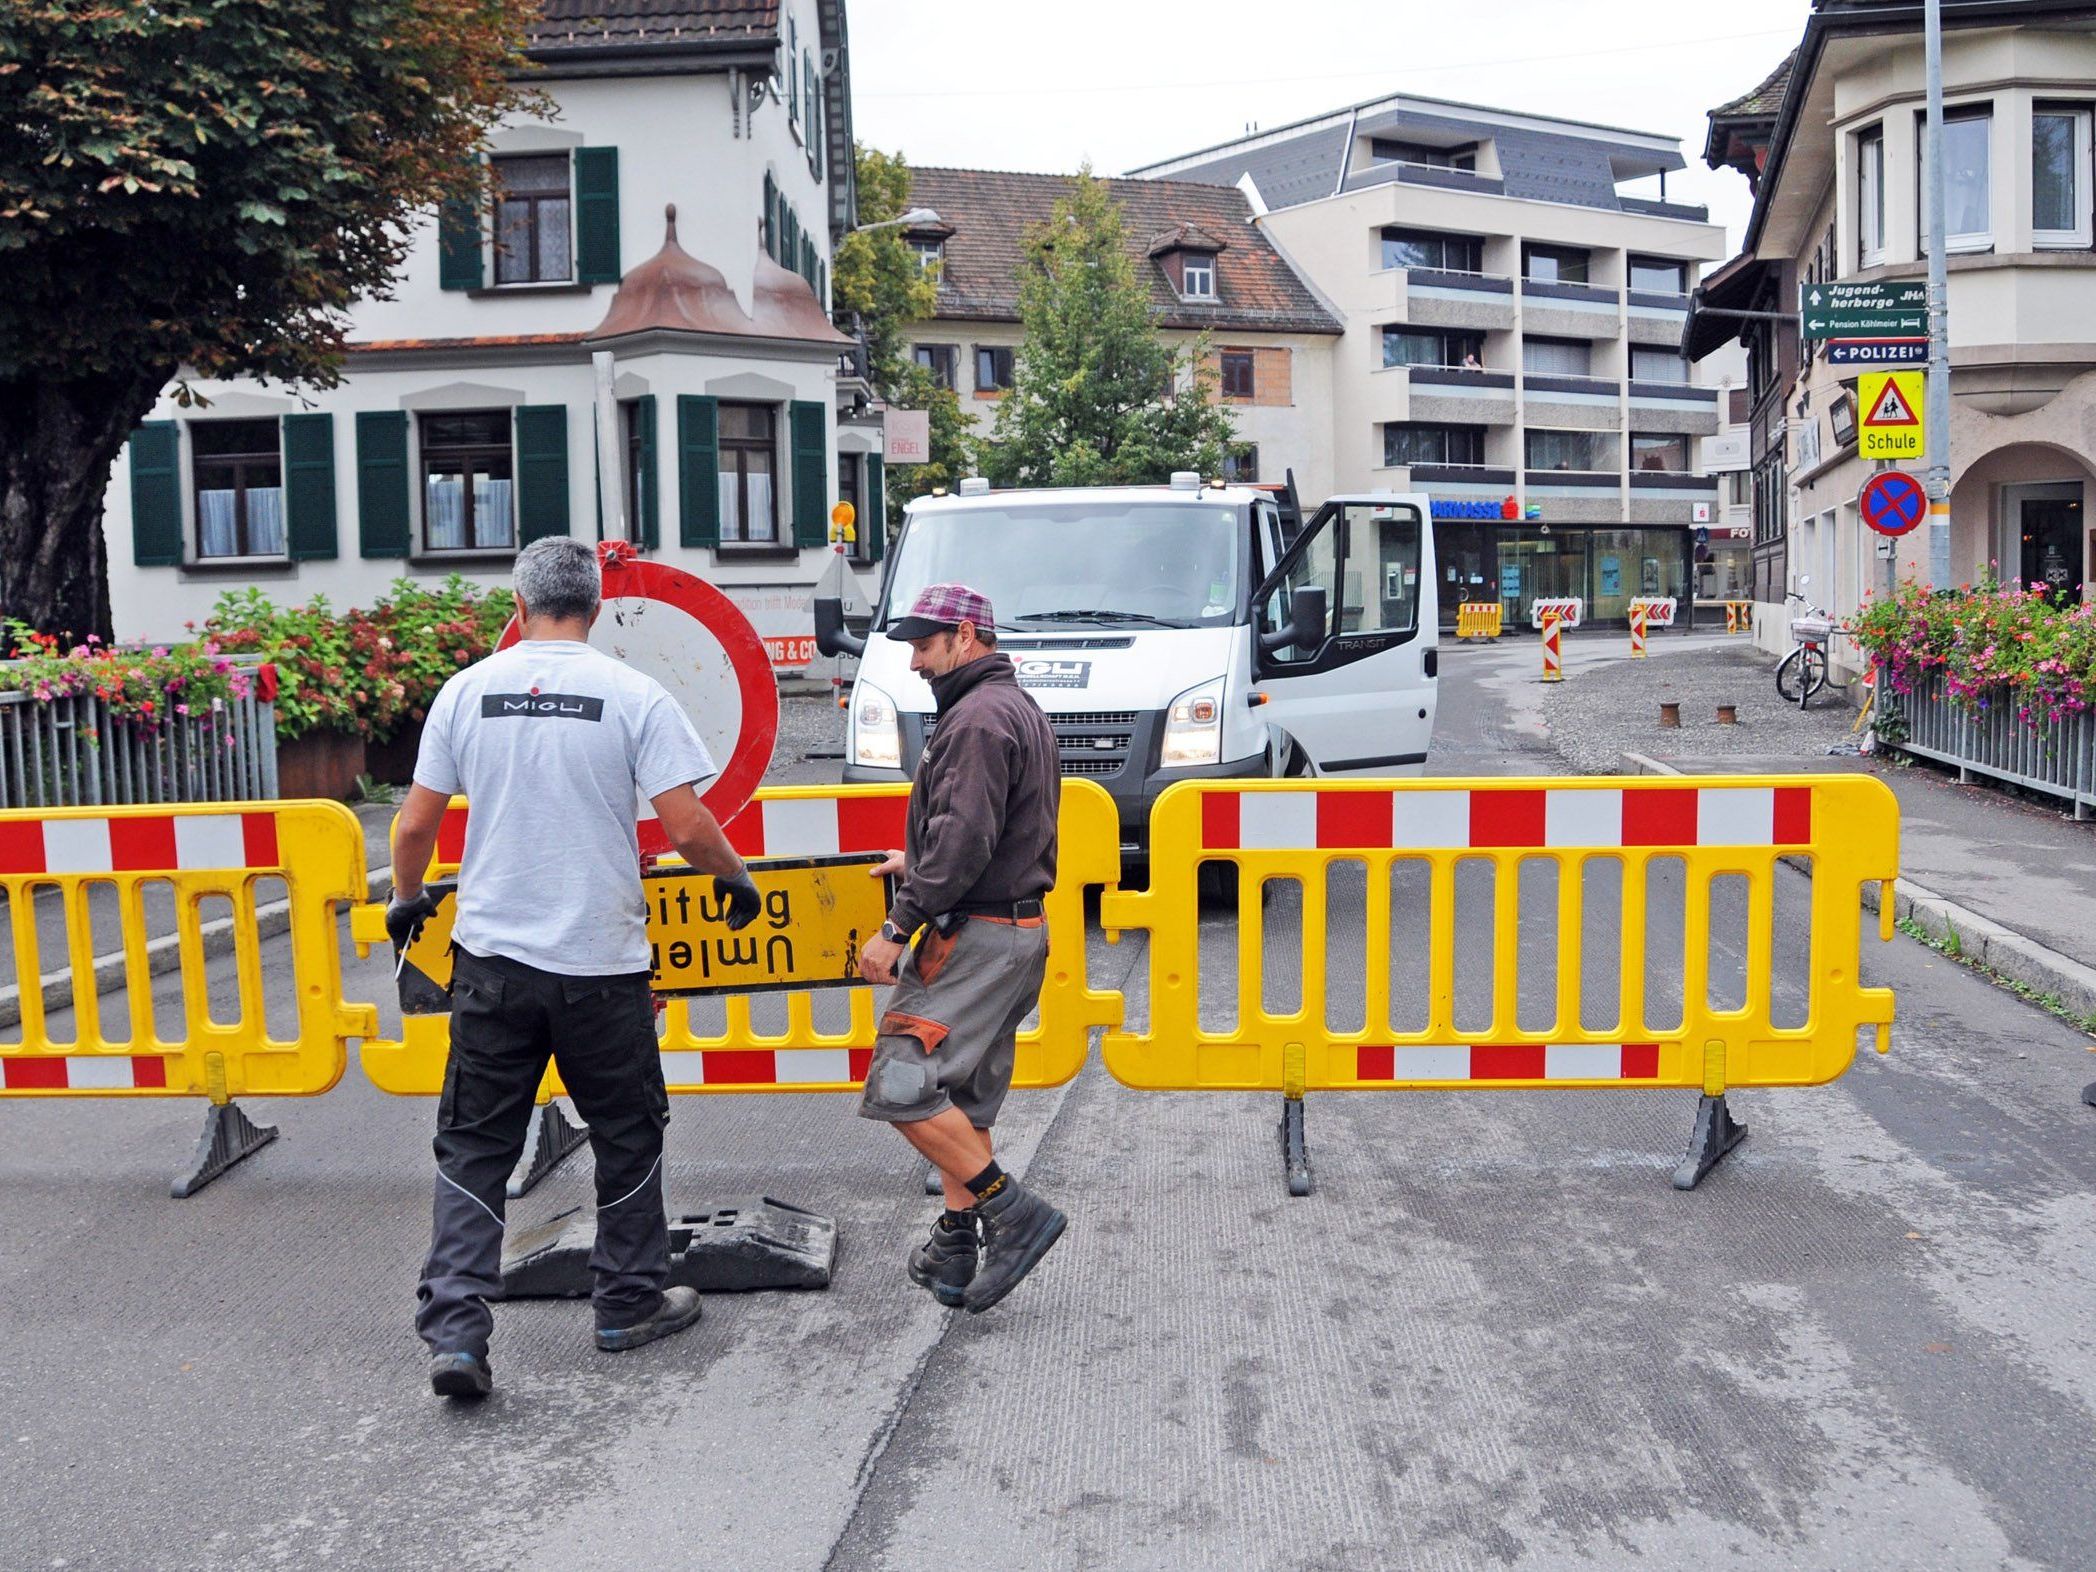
(1170, 633)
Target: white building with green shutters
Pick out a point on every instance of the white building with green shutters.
(466, 423)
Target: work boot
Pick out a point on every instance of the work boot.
(461, 1375)
(679, 1309)
(1017, 1229)
(945, 1263)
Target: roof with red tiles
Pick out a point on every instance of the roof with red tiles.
(578, 26)
(989, 212)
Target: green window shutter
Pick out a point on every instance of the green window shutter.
(156, 494)
(458, 244)
(542, 472)
(875, 519)
(648, 527)
(771, 218)
(309, 486)
(597, 215)
(383, 507)
(698, 470)
(811, 471)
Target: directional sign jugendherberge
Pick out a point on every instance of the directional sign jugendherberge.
(1881, 309)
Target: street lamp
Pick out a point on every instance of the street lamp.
(916, 218)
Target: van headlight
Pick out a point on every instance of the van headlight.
(1193, 726)
(876, 739)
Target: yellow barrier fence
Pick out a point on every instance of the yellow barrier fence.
(1478, 620)
(797, 1053)
(1666, 845)
(68, 871)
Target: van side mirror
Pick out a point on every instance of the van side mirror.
(1308, 622)
(831, 635)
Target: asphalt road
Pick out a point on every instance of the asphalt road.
(1495, 1336)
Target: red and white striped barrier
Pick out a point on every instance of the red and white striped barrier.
(1637, 629)
(140, 843)
(1509, 1062)
(1568, 609)
(1460, 818)
(764, 1066)
(103, 1072)
(1659, 609)
(1553, 650)
(768, 827)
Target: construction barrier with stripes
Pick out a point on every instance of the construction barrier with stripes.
(1478, 619)
(61, 867)
(799, 1054)
(1605, 1031)
(1610, 1024)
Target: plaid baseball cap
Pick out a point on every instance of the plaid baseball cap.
(942, 606)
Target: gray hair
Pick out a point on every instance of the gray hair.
(557, 577)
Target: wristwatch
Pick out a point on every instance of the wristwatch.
(893, 934)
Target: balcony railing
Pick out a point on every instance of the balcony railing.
(1473, 378)
(1494, 476)
(1585, 479)
(1673, 480)
(1548, 291)
(1544, 384)
(1678, 392)
(1449, 278)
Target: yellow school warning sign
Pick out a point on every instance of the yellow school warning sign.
(1889, 405)
(818, 911)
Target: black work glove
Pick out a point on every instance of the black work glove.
(740, 892)
(404, 918)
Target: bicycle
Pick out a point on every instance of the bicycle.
(1803, 672)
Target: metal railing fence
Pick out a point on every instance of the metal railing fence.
(2056, 758)
(72, 752)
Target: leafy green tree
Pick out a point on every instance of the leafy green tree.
(880, 286)
(1098, 397)
(202, 188)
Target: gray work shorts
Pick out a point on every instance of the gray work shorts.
(946, 1036)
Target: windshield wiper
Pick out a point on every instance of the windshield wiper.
(1097, 616)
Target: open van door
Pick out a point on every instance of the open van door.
(1357, 694)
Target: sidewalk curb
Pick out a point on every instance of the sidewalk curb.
(1980, 939)
(164, 954)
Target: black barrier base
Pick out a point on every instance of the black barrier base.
(549, 1138)
(1295, 1153)
(229, 1136)
(749, 1243)
(934, 1181)
(2088, 1094)
(1717, 1132)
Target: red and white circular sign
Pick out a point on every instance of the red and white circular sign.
(692, 639)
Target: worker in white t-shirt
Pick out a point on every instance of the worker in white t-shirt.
(554, 744)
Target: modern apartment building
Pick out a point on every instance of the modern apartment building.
(1832, 143)
(1209, 270)
(1512, 340)
(466, 422)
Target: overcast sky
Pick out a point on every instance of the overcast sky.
(994, 84)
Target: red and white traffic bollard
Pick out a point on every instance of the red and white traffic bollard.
(1637, 629)
(1553, 651)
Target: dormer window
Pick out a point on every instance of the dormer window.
(931, 251)
(1187, 253)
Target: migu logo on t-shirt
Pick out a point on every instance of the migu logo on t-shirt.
(559, 706)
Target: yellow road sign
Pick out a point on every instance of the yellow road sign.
(818, 911)
(1889, 414)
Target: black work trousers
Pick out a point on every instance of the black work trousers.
(507, 1018)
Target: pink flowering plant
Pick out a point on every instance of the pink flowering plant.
(1992, 643)
(149, 690)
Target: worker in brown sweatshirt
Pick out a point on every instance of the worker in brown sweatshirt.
(979, 856)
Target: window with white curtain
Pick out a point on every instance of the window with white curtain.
(1870, 197)
(468, 501)
(239, 475)
(749, 504)
(1966, 225)
(1556, 357)
(2060, 175)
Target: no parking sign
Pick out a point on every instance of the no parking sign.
(692, 639)
(1892, 503)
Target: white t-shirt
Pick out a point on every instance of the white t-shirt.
(554, 744)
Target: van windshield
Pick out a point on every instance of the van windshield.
(1081, 564)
